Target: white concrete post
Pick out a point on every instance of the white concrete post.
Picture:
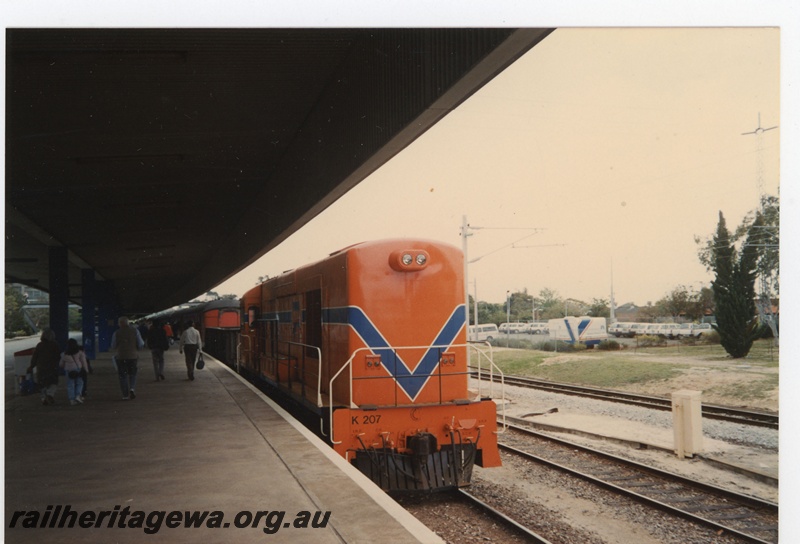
(687, 419)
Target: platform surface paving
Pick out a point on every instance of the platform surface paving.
(212, 452)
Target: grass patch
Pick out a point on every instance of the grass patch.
(519, 362)
(598, 370)
(760, 387)
(632, 365)
(763, 353)
(603, 373)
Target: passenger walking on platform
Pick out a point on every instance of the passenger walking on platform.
(73, 361)
(143, 328)
(127, 341)
(158, 344)
(85, 373)
(45, 359)
(190, 343)
(168, 331)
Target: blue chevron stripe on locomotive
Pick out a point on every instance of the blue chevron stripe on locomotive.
(411, 382)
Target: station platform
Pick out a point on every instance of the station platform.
(209, 460)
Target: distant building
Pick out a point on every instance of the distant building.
(627, 313)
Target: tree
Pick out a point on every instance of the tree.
(550, 304)
(734, 288)
(521, 306)
(13, 311)
(766, 239)
(599, 308)
(491, 313)
(701, 304)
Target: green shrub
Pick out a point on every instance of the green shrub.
(559, 345)
(516, 343)
(709, 337)
(649, 341)
(609, 345)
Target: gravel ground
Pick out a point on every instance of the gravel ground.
(752, 445)
(564, 510)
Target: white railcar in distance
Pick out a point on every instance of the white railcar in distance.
(583, 330)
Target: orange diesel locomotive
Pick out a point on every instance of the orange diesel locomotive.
(371, 341)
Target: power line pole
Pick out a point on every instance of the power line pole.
(764, 300)
(613, 314)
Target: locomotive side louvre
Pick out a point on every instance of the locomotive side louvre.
(375, 334)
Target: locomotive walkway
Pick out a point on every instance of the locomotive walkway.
(212, 460)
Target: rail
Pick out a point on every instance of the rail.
(710, 411)
(348, 366)
(658, 488)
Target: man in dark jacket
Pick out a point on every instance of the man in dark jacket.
(158, 344)
(45, 359)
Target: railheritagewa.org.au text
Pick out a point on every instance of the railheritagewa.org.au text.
(64, 517)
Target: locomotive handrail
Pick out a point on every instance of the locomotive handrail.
(490, 358)
(238, 354)
(492, 367)
(248, 349)
(349, 365)
(319, 368)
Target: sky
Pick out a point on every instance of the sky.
(618, 146)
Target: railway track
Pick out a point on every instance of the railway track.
(459, 516)
(512, 525)
(744, 516)
(710, 411)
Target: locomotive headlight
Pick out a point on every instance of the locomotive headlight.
(409, 260)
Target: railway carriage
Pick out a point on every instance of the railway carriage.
(219, 326)
(371, 343)
(219, 323)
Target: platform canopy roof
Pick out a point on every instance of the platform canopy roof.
(166, 160)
